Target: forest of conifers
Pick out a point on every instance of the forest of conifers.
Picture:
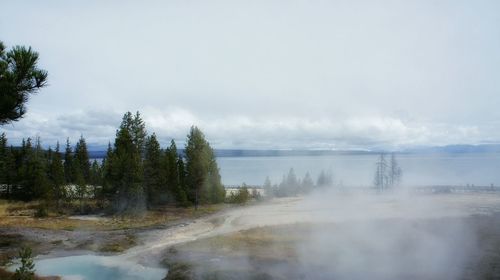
(135, 174)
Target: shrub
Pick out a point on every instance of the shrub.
(27, 269)
(241, 196)
(42, 211)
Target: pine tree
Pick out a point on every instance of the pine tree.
(19, 78)
(292, 184)
(217, 190)
(268, 188)
(33, 181)
(3, 158)
(56, 175)
(381, 180)
(7, 165)
(174, 170)
(395, 172)
(138, 132)
(154, 178)
(325, 179)
(95, 178)
(81, 160)
(181, 168)
(202, 173)
(26, 270)
(68, 163)
(80, 185)
(10, 171)
(40, 182)
(136, 128)
(108, 188)
(126, 174)
(307, 183)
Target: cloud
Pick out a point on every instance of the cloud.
(329, 74)
(249, 132)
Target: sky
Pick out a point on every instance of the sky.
(270, 74)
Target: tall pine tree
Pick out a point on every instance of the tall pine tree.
(81, 160)
(153, 173)
(174, 174)
(202, 173)
(68, 163)
(126, 173)
(56, 176)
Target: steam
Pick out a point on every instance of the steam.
(349, 236)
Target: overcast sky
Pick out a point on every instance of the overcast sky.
(264, 74)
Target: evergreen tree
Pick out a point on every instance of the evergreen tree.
(292, 184)
(7, 166)
(395, 172)
(95, 177)
(202, 174)
(136, 128)
(268, 188)
(138, 132)
(381, 180)
(154, 178)
(307, 183)
(108, 188)
(181, 168)
(216, 189)
(81, 160)
(26, 271)
(19, 78)
(174, 170)
(80, 186)
(56, 175)
(40, 182)
(126, 173)
(68, 163)
(3, 158)
(10, 172)
(325, 179)
(32, 172)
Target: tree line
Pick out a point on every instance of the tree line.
(135, 174)
(291, 185)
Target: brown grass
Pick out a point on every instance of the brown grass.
(19, 214)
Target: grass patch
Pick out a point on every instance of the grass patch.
(120, 245)
(21, 214)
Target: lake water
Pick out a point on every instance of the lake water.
(358, 170)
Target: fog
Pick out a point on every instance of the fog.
(358, 170)
(332, 235)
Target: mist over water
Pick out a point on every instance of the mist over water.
(358, 170)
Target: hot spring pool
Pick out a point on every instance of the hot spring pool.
(92, 267)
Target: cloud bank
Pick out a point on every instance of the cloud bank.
(250, 132)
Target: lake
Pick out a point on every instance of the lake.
(358, 169)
